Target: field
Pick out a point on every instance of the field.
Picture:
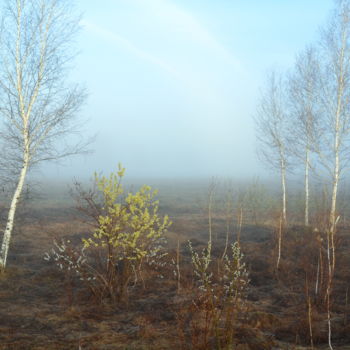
(42, 307)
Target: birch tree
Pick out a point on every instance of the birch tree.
(305, 114)
(271, 128)
(38, 107)
(335, 100)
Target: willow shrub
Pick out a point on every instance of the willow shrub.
(128, 233)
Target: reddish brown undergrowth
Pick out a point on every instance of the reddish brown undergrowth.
(41, 308)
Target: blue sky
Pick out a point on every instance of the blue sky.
(173, 85)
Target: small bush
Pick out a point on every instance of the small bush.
(127, 233)
(211, 317)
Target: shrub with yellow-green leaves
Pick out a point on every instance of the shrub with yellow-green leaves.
(130, 226)
(128, 233)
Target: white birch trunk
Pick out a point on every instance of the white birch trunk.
(279, 243)
(338, 124)
(336, 171)
(25, 112)
(11, 217)
(307, 187)
(332, 216)
(334, 203)
(284, 195)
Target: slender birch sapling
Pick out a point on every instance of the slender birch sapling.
(271, 128)
(305, 115)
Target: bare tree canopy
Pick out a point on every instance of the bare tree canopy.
(312, 122)
(305, 114)
(272, 128)
(38, 108)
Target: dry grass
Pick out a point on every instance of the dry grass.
(39, 309)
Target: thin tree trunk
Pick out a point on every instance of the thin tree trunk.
(332, 216)
(279, 243)
(328, 292)
(337, 129)
(333, 219)
(310, 322)
(210, 203)
(227, 231)
(284, 195)
(317, 276)
(178, 266)
(209, 218)
(307, 187)
(240, 223)
(11, 216)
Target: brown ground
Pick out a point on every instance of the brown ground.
(40, 309)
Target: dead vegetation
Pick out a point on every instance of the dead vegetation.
(43, 308)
